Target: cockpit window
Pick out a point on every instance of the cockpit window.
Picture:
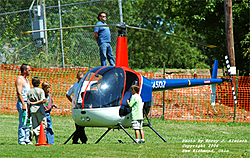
(102, 90)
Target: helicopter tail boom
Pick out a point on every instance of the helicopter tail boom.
(164, 84)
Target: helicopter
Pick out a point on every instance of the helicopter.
(104, 90)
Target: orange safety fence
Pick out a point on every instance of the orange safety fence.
(194, 104)
(183, 104)
(60, 80)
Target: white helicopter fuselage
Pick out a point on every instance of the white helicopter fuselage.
(98, 99)
(100, 117)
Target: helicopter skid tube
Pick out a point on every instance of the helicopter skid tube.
(127, 132)
(149, 125)
(71, 136)
(103, 135)
(121, 128)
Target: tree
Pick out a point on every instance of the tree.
(207, 18)
(200, 20)
(151, 50)
(80, 47)
(12, 26)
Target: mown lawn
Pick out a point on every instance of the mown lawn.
(184, 139)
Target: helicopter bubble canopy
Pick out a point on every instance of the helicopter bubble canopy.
(98, 90)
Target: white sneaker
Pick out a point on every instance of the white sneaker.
(22, 143)
(142, 141)
(136, 142)
(30, 143)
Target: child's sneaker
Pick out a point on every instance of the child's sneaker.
(137, 141)
(30, 143)
(142, 141)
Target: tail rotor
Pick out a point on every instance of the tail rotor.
(213, 86)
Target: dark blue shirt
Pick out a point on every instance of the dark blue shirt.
(103, 33)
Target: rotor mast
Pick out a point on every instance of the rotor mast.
(121, 48)
(120, 8)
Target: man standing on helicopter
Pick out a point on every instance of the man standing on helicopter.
(103, 39)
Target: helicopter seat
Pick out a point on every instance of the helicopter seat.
(124, 109)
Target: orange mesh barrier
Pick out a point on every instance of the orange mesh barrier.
(194, 104)
(60, 80)
(184, 104)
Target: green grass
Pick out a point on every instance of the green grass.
(174, 132)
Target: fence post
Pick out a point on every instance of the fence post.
(60, 20)
(163, 106)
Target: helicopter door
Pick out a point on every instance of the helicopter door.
(131, 79)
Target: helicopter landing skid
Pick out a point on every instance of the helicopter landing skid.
(103, 135)
(71, 136)
(144, 124)
(127, 133)
(149, 125)
(121, 128)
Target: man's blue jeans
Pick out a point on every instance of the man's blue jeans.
(106, 52)
(23, 131)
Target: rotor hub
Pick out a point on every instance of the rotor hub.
(122, 29)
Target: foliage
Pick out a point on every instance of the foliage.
(151, 50)
(79, 45)
(245, 44)
(202, 21)
(199, 20)
(207, 18)
(11, 31)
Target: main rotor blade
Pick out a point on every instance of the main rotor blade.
(171, 35)
(123, 26)
(72, 27)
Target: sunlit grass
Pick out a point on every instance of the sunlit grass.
(176, 133)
